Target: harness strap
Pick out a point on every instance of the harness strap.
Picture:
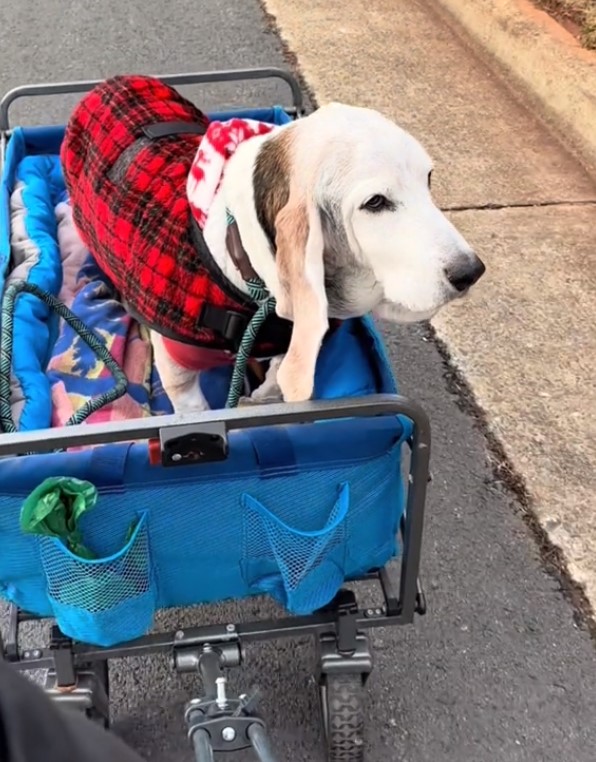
(171, 129)
(234, 294)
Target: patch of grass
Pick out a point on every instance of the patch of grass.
(581, 14)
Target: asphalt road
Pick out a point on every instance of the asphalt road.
(497, 671)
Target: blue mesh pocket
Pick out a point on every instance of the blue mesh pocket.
(102, 601)
(302, 570)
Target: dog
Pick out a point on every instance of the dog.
(332, 213)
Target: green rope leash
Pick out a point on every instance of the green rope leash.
(266, 306)
(260, 295)
(96, 345)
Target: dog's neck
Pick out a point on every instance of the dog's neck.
(236, 197)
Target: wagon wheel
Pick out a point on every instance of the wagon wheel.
(342, 706)
(99, 712)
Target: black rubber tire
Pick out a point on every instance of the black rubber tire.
(342, 698)
(102, 671)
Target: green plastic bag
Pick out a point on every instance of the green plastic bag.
(55, 508)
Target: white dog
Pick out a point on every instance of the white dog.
(336, 216)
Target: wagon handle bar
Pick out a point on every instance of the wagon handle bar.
(283, 413)
(175, 80)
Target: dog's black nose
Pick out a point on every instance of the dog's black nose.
(464, 273)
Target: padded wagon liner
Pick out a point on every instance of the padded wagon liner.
(292, 513)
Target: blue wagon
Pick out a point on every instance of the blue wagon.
(290, 501)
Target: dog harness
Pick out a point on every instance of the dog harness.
(219, 143)
(140, 188)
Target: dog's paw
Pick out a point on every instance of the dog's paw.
(259, 400)
(246, 402)
(293, 385)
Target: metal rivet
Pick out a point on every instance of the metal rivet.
(176, 457)
(36, 654)
(228, 734)
(179, 635)
(230, 628)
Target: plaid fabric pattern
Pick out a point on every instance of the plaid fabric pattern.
(129, 201)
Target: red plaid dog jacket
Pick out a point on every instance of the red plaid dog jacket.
(127, 154)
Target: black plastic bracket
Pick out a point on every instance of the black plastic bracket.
(345, 606)
(332, 662)
(345, 651)
(347, 625)
(218, 722)
(193, 444)
(11, 646)
(61, 649)
(227, 731)
(392, 604)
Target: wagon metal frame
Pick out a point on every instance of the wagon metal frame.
(77, 672)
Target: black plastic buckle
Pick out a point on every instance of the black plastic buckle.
(227, 323)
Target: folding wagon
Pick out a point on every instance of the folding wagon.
(112, 507)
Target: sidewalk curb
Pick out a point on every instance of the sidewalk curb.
(544, 59)
(515, 343)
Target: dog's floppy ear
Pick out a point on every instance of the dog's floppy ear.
(302, 297)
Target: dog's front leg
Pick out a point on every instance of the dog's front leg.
(180, 384)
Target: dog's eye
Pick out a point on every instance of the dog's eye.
(377, 203)
(430, 174)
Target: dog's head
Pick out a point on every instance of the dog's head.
(355, 229)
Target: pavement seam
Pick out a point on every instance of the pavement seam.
(490, 206)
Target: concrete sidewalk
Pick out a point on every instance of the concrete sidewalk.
(525, 341)
(542, 58)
